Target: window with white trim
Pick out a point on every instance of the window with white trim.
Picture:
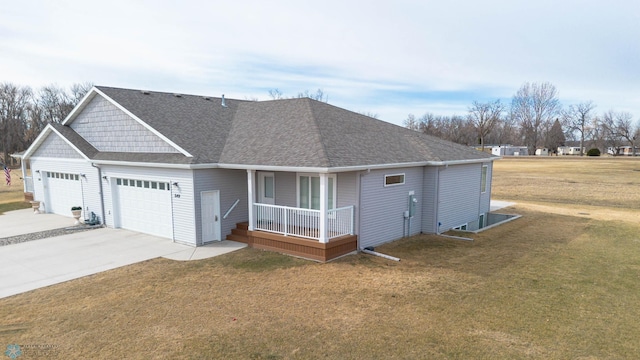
(483, 181)
(394, 179)
(309, 191)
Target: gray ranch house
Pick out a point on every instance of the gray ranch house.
(296, 176)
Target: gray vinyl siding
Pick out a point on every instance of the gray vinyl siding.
(108, 128)
(90, 182)
(54, 147)
(184, 225)
(429, 199)
(459, 195)
(347, 187)
(232, 185)
(348, 194)
(285, 188)
(382, 208)
(485, 198)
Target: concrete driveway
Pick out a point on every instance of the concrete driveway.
(38, 263)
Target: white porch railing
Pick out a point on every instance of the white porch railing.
(300, 222)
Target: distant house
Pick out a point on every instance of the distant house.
(570, 150)
(295, 175)
(542, 152)
(628, 151)
(509, 150)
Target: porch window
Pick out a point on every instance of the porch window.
(483, 182)
(309, 191)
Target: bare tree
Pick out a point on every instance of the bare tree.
(276, 94)
(620, 127)
(578, 117)
(411, 123)
(79, 90)
(369, 114)
(15, 102)
(319, 95)
(532, 106)
(484, 117)
(55, 103)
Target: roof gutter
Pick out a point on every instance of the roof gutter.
(309, 169)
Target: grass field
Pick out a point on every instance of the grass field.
(561, 282)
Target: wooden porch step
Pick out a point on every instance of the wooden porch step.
(240, 233)
(238, 238)
(242, 226)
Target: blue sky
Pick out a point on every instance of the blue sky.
(389, 58)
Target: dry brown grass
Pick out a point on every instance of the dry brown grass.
(596, 181)
(14, 192)
(546, 286)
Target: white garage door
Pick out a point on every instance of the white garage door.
(63, 191)
(144, 206)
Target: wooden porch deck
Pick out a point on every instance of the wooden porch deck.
(292, 245)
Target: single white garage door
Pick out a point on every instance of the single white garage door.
(63, 191)
(144, 206)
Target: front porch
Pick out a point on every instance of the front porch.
(307, 224)
(293, 245)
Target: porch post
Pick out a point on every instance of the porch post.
(324, 185)
(251, 195)
(23, 167)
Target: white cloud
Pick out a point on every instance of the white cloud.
(354, 51)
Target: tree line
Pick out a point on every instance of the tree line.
(24, 112)
(536, 119)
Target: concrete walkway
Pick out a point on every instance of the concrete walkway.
(38, 263)
(497, 205)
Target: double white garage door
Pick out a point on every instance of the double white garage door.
(139, 205)
(143, 205)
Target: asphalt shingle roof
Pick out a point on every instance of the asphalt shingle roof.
(289, 132)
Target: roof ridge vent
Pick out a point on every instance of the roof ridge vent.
(177, 95)
(223, 103)
(146, 92)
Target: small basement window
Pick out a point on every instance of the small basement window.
(394, 179)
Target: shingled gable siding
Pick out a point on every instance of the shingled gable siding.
(90, 182)
(382, 208)
(108, 128)
(184, 223)
(233, 186)
(459, 195)
(429, 191)
(55, 147)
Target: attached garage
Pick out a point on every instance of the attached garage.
(63, 191)
(144, 206)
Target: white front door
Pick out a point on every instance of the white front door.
(266, 192)
(210, 208)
